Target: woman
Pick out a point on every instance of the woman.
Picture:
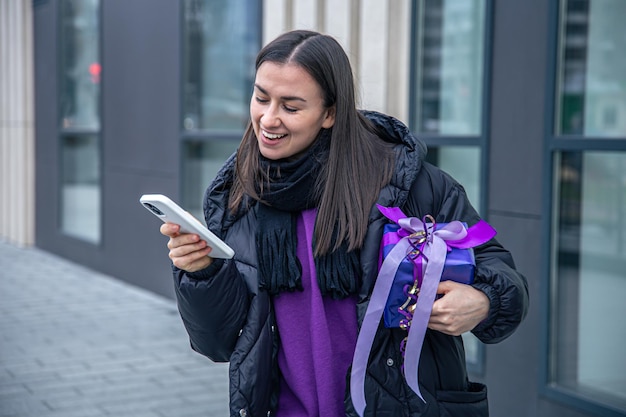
(297, 204)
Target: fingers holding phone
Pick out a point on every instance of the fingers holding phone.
(184, 224)
(187, 251)
(169, 229)
(192, 246)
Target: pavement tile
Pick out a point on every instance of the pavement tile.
(77, 343)
(22, 406)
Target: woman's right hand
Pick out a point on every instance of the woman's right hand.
(187, 251)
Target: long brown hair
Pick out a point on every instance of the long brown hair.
(359, 163)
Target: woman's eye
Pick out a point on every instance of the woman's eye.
(290, 109)
(261, 100)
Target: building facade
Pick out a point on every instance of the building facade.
(522, 102)
(17, 123)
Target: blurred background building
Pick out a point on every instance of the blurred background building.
(524, 102)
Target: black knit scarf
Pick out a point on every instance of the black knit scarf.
(291, 189)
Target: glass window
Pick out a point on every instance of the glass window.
(449, 52)
(449, 88)
(588, 257)
(79, 112)
(448, 99)
(80, 64)
(590, 285)
(221, 40)
(80, 187)
(463, 163)
(202, 161)
(592, 90)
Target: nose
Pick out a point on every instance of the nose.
(270, 117)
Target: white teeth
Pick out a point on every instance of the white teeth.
(272, 136)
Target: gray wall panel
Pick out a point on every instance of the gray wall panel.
(46, 149)
(140, 138)
(132, 237)
(515, 189)
(513, 364)
(141, 57)
(518, 106)
(141, 60)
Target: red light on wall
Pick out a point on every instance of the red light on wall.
(94, 70)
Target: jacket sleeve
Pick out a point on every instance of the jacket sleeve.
(213, 305)
(435, 192)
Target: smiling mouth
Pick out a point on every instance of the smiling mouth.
(272, 136)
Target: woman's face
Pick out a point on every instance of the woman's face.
(287, 110)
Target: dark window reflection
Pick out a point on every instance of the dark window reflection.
(574, 66)
(80, 187)
(592, 80)
(80, 64)
(590, 261)
(450, 51)
(221, 39)
(79, 112)
(202, 161)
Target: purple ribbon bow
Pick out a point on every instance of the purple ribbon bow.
(433, 252)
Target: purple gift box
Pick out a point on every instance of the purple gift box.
(459, 266)
(401, 261)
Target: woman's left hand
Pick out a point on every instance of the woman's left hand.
(459, 310)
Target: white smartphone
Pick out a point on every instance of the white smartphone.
(170, 212)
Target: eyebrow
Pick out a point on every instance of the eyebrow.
(285, 98)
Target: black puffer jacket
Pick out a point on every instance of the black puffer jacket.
(229, 319)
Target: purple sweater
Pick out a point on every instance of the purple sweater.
(317, 340)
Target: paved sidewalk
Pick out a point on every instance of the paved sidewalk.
(77, 343)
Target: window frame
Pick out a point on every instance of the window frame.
(480, 141)
(203, 135)
(67, 132)
(553, 145)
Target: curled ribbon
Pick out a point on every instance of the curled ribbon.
(433, 251)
